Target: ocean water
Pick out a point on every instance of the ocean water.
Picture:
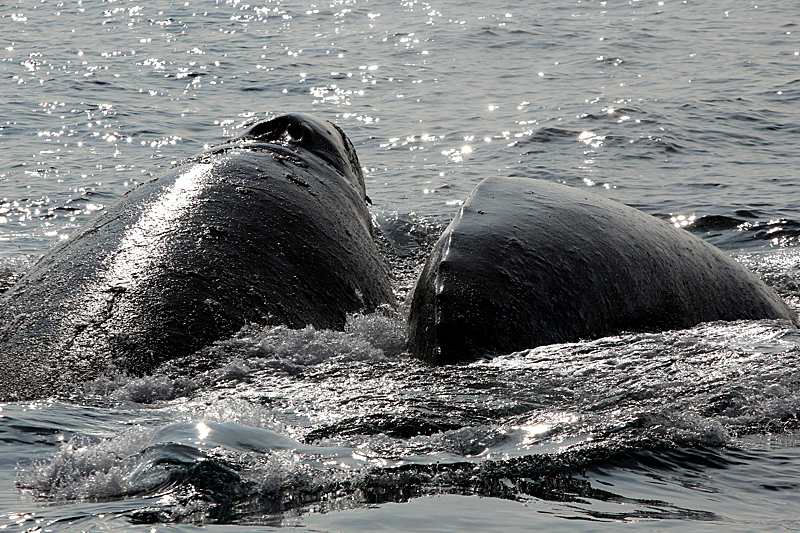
(687, 110)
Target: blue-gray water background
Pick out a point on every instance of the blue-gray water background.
(687, 110)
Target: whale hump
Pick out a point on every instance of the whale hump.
(527, 262)
(269, 228)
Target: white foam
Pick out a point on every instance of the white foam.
(83, 469)
(146, 389)
(373, 337)
(266, 349)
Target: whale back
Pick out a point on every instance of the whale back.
(527, 262)
(237, 235)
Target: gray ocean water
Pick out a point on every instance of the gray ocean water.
(687, 110)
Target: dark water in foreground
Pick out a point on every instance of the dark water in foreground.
(686, 110)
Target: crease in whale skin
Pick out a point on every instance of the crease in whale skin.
(526, 263)
(271, 227)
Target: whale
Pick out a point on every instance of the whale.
(527, 262)
(271, 227)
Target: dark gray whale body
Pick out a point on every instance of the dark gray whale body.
(271, 227)
(527, 263)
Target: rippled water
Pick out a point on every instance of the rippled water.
(689, 111)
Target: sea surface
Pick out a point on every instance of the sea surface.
(688, 110)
